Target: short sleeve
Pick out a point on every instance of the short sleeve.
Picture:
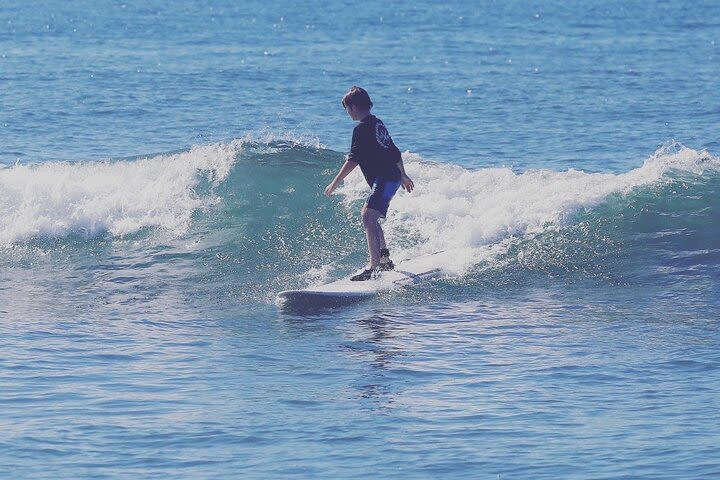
(353, 147)
(358, 146)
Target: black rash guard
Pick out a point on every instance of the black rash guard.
(373, 149)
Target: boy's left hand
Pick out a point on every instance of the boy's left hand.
(407, 184)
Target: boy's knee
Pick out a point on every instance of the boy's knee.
(369, 217)
(365, 217)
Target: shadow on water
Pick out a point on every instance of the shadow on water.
(319, 305)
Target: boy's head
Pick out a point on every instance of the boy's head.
(357, 98)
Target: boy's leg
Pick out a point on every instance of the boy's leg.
(381, 236)
(374, 234)
(385, 262)
(375, 209)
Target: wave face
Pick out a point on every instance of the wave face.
(119, 198)
(253, 214)
(565, 221)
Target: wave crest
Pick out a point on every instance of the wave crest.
(470, 214)
(58, 199)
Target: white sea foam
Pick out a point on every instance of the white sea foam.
(471, 214)
(119, 197)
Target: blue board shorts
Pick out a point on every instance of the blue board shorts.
(382, 192)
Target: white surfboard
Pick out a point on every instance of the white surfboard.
(345, 290)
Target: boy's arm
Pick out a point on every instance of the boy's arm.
(405, 181)
(345, 170)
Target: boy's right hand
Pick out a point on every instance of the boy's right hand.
(407, 184)
(329, 189)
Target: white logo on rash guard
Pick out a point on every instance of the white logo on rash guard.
(382, 135)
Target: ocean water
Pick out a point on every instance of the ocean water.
(161, 174)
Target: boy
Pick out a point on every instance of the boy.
(381, 164)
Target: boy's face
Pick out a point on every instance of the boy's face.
(354, 112)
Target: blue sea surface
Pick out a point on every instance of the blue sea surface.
(162, 167)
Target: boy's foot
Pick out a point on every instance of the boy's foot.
(385, 263)
(386, 266)
(366, 274)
